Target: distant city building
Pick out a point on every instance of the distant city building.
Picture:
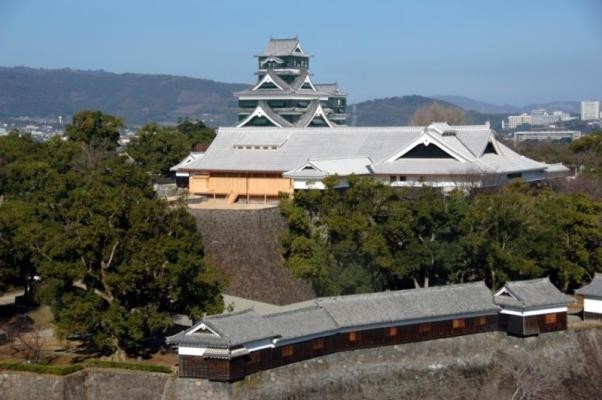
(537, 117)
(285, 96)
(520, 136)
(590, 110)
(518, 120)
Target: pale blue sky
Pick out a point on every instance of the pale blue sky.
(502, 51)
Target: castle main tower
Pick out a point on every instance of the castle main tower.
(285, 96)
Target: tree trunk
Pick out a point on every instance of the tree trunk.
(119, 354)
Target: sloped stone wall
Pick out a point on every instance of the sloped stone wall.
(565, 365)
(244, 245)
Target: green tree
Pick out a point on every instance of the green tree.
(95, 129)
(118, 263)
(17, 260)
(433, 249)
(115, 262)
(157, 148)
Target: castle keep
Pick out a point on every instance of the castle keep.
(285, 96)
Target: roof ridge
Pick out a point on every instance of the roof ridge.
(240, 312)
(405, 291)
(533, 280)
(294, 310)
(337, 158)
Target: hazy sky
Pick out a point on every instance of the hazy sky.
(502, 51)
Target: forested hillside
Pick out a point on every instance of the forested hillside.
(138, 98)
(142, 98)
(398, 111)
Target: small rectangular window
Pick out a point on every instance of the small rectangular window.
(550, 319)
(458, 324)
(424, 328)
(352, 336)
(287, 351)
(392, 179)
(318, 344)
(393, 331)
(481, 321)
(254, 357)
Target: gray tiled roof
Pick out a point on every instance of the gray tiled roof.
(532, 294)
(306, 118)
(229, 326)
(592, 289)
(301, 322)
(233, 329)
(330, 314)
(378, 143)
(410, 305)
(274, 116)
(332, 88)
(281, 47)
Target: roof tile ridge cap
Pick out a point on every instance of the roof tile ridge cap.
(234, 313)
(447, 286)
(292, 311)
(337, 158)
(319, 303)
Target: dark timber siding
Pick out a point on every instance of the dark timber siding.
(591, 315)
(228, 370)
(533, 325)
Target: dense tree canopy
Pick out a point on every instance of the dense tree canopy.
(157, 148)
(372, 237)
(94, 128)
(115, 262)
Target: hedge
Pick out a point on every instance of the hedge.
(69, 369)
(128, 365)
(41, 369)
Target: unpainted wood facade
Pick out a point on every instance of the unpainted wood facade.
(257, 185)
(237, 368)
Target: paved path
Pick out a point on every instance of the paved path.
(9, 298)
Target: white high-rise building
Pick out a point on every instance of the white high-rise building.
(518, 120)
(590, 110)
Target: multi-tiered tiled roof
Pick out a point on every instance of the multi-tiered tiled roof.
(285, 96)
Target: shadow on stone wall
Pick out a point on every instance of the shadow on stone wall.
(244, 245)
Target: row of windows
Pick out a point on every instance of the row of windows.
(287, 351)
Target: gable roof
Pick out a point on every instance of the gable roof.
(592, 289)
(283, 47)
(195, 155)
(264, 110)
(531, 294)
(320, 168)
(380, 144)
(228, 330)
(328, 315)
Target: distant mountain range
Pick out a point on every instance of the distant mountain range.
(138, 98)
(142, 98)
(470, 104)
(396, 111)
